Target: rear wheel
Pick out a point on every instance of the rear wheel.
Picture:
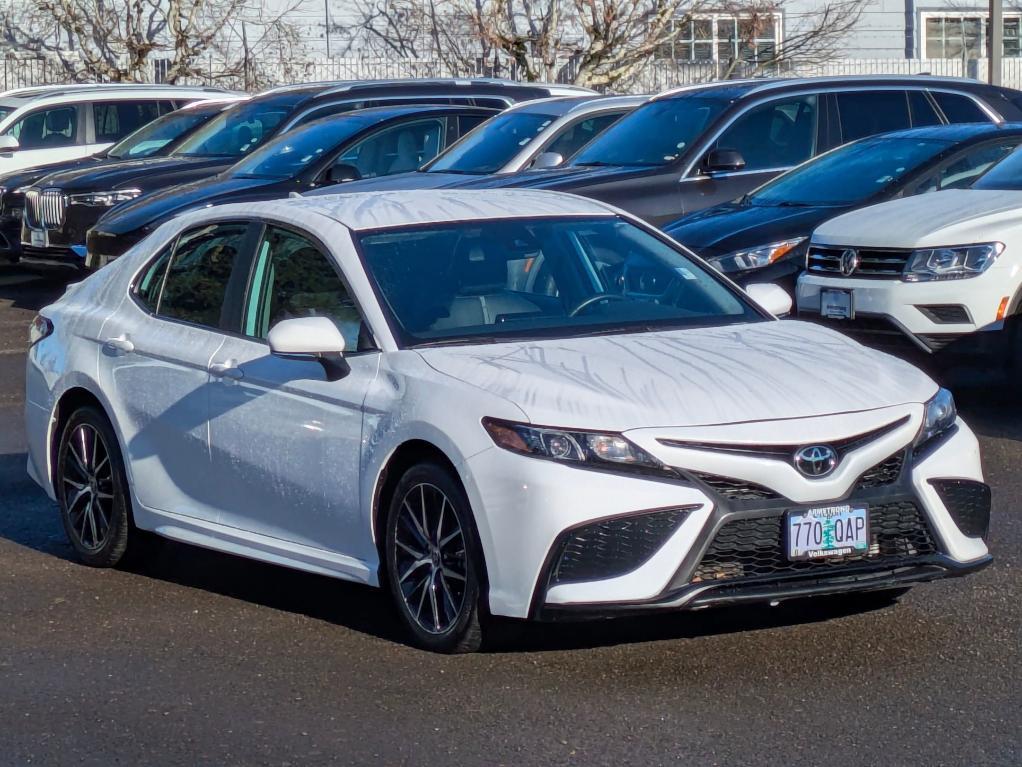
(433, 560)
(91, 489)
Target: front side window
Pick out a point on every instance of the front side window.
(397, 149)
(581, 133)
(1006, 174)
(492, 145)
(964, 169)
(655, 134)
(774, 135)
(540, 278)
(47, 128)
(200, 268)
(114, 120)
(292, 278)
(866, 113)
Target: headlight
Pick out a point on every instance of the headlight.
(951, 263)
(105, 199)
(588, 449)
(755, 258)
(940, 416)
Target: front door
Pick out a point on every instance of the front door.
(285, 441)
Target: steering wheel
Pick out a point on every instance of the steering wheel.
(598, 298)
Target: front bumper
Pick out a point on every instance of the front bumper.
(530, 510)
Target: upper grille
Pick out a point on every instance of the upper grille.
(614, 546)
(46, 208)
(884, 473)
(754, 547)
(873, 263)
(736, 489)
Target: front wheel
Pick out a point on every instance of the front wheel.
(433, 560)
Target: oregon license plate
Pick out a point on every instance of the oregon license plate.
(38, 239)
(836, 304)
(828, 531)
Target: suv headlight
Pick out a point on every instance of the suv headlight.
(940, 416)
(755, 258)
(954, 263)
(588, 449)
(104, 199)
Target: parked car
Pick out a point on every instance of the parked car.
(763, 235)
(702, 145)
(365, 143)
(534, 134)
(39, 127)
(238, 132)
(374, 387)
(153, 139)
(939, 271)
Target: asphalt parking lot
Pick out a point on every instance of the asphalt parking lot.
(202, 658)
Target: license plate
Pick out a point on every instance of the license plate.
(836, 304)
(38, 239)
(828, 531)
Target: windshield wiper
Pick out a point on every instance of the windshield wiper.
(794, 204)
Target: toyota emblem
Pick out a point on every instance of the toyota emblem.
(849, 262)
(815, 461)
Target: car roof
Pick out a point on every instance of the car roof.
(380, 115)
(362, 211)
(558, 106)
(108, 92)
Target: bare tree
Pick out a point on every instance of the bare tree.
(117, 40)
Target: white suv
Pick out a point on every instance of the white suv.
(44, 125)
(936, 267)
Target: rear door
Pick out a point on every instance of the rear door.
(110, 121)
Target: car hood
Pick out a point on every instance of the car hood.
(732, 374)
(145, 173)
(951, 217)
(28, 176)
(153, 209)
(730, 227)
(400, 181)
(560, 178)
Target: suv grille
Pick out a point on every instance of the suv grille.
(876, 264)
(736, 489)
(754, 547)
(45, 208)
(614, 546)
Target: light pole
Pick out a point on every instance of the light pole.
(996, 51)
(326, 24)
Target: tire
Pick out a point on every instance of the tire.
(434, 570)
(92, 489)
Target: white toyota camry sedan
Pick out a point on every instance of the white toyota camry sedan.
(511, 403)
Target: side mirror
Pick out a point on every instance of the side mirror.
(723, 161)
(773, 298)
(341, 172)
(313, 338)
(547, 160)
(8, 143)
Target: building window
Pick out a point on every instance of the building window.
(724, 37)
(950, 36)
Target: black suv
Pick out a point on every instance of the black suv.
(701, 145)
(222, 142)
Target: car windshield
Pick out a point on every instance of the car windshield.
(1007, 174)
(154, 136)
(295, 150)
(491, 145)
(850, 174)
(235, 132)
(488, 281)
(657, 133)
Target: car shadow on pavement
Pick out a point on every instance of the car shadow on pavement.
(29, 519)
(29, 290)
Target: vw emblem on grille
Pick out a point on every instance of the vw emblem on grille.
(815, 461)
(849, 262)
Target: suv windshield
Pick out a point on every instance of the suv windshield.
(152, 137)
(496, 280)
(295, 150)
(850, 174)
(491, 145)
(656, 133)
(234, 132)
(1007, 174)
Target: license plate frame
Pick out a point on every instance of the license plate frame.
(37, 238)
(843, 530)
(837, 304)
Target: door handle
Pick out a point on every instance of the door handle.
(119, 344)
(226, 370)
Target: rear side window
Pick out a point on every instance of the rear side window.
(114, 120)
(865, 113)
(196, 281)
(959, 109)
(47, 128)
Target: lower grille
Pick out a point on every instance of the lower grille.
(614, 547)
(946, 314)
(967, 502)
(754, 547)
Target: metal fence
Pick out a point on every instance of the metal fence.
(658, 75)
